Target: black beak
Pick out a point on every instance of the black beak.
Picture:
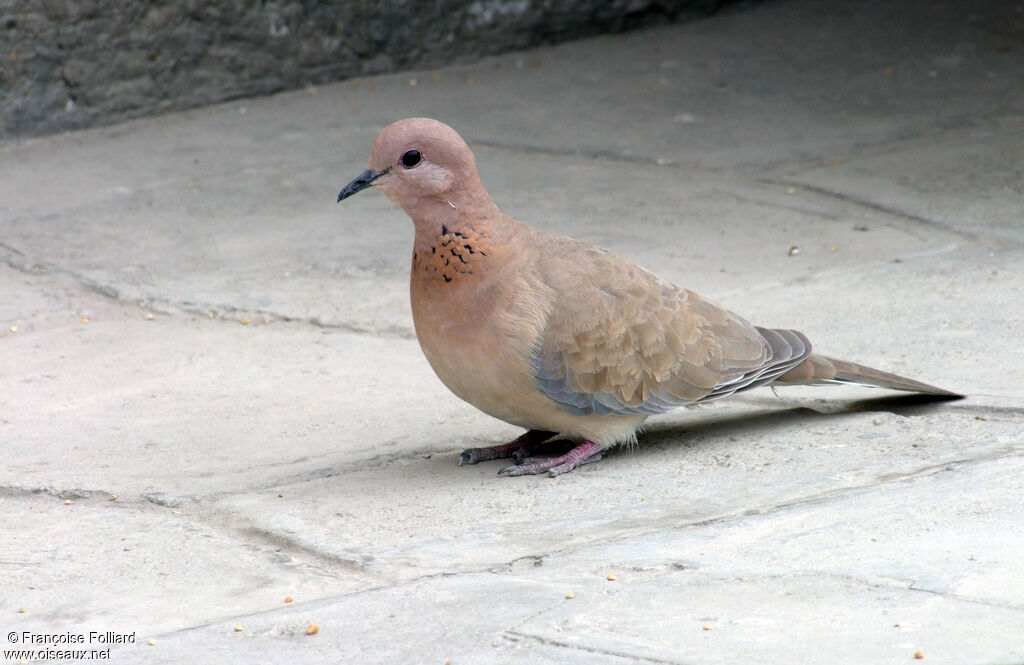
(361, 182)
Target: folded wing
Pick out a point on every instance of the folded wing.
(623, 341)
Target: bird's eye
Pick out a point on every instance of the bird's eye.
(411, 158)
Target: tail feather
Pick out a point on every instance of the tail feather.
(822, 369)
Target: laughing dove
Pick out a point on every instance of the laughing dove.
(556, 335)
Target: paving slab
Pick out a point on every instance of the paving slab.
(145, 589)
(884, 566)
(190, 324)
(984, 159)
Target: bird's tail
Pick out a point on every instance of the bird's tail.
(822, 369)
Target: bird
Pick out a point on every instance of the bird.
(558, 336)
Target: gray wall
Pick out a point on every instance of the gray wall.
(69, 64)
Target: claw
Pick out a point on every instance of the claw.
(516, 449)
(474, 455)
(586, 452)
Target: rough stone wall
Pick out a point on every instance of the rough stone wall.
(67, 64)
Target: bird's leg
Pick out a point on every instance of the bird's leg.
(586, 452)
(518, 448)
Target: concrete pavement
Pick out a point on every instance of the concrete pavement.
(211, 397)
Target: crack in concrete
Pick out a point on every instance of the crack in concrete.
(877, 481)
(628, 657)
(966, 599)
(315, 473)
(907, 138)
(931, 224)
(23, 491)
(325, 562)
(225, 312)
(42, 269)
(873, 581)
(585, 153)
(526, 561)
(11, 249)
(22, 266)
(213, 311)
(1011, 413)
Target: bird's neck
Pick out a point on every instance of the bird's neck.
(455, 244)
(444, 217)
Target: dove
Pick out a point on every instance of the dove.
(558, 336)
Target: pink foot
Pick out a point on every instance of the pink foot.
(586, 452)
(516, 449)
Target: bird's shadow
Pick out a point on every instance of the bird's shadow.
(713, 428)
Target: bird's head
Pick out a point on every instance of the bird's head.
(419, 163)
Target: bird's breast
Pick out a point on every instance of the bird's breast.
(472, 324)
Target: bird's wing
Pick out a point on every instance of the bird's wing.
(620, 340)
